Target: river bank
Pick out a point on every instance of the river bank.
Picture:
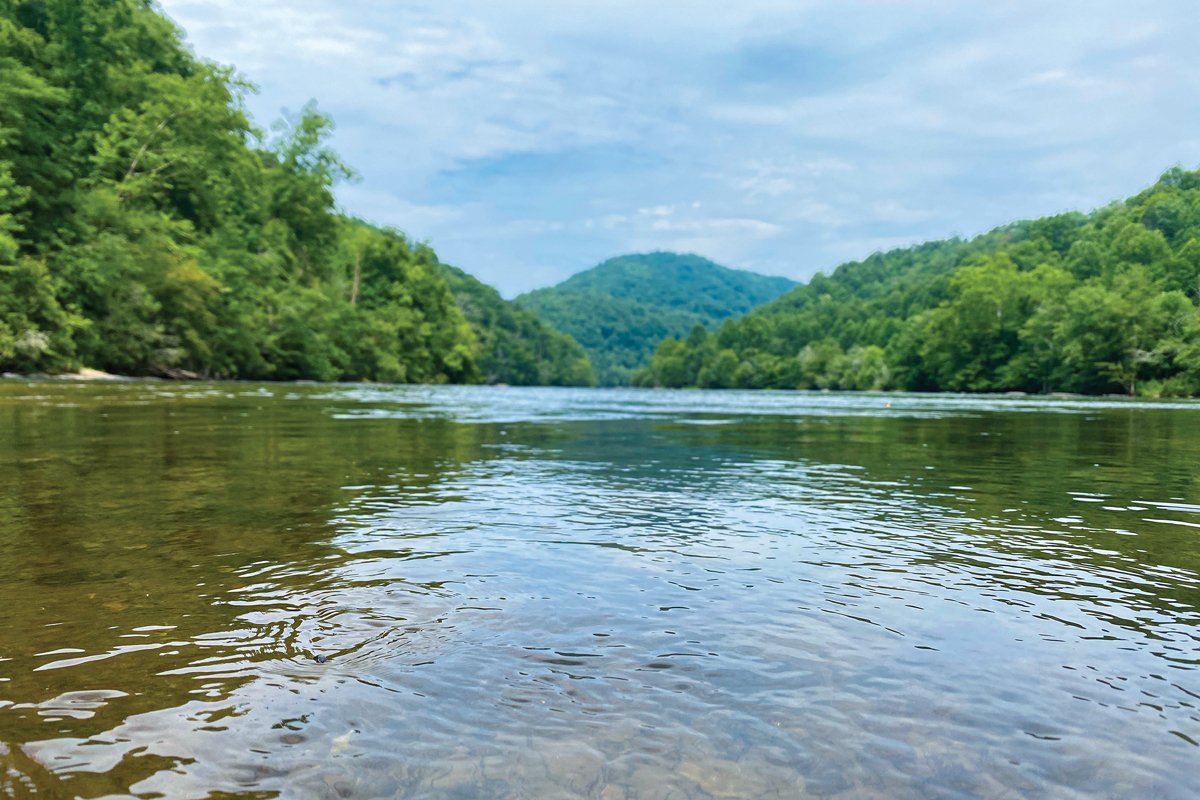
(84, 374)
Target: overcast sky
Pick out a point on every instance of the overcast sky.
(531, 139)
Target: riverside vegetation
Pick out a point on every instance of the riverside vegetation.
(1090, 303)
(148, 228)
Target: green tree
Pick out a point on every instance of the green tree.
(1094, 303)
(147, 227)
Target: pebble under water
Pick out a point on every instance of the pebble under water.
(311, 591)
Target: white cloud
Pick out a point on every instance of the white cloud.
(538, 132)
(391, 210)
(894, 211)
(754, 227)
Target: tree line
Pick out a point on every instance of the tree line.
(1096, 303)
(148, 227)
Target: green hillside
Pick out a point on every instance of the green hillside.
(513, 345)
(148, 227)
(620, 309)
(1094, 303)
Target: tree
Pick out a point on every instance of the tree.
(148, 228)
(1093, 303)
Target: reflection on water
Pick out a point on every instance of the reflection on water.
(587, 593)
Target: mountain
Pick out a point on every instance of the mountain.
(1088, 303)
(513, 345)
(619, 310)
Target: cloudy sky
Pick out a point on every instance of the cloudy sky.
(531, 139)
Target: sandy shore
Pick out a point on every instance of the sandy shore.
(84, 374)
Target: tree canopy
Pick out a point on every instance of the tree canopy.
(1094, 303)
(147, 227)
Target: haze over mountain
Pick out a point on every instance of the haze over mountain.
(620, 309)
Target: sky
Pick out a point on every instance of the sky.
(528, 140)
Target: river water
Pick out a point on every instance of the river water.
(216, 590)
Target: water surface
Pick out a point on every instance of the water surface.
(614, 594)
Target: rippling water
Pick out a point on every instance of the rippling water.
(313, 591)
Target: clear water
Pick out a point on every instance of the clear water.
(550, 593)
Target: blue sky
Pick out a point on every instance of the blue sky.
(529, 139)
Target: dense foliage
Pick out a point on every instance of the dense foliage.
(618, 310)
(146, 227)
(1104, 302)
(514, 346)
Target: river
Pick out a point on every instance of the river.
(276, 590)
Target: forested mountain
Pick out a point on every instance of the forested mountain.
(514, 346)
(620, 309)
(148, 228)
(1094, 303)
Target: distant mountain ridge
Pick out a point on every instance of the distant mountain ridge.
(619, 310)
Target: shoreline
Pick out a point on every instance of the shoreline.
(87, 374)
(84, 374)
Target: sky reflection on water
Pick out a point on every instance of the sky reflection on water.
(610, 594)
